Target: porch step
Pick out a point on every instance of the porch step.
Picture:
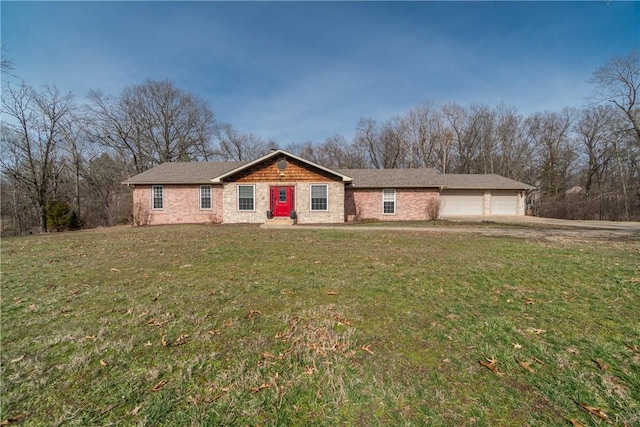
(278, 222)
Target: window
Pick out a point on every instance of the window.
(245, 197)
(205, 197)
(388, 201)
(319, 197)
(156, 194)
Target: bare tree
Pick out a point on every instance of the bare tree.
(6, 65)
(368, 139)
(103, 175)
(336, 152)
(153, 122)
(549, 135)
(423, 134)
(30, 140)
(112, 124)
(233, 145)
(385, 145)
(463, 126)
(618, 81)
(513, 151)
(175, 125)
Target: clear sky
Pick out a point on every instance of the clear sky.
(304, 71)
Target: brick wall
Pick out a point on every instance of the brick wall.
(181, 205)
(417, 204)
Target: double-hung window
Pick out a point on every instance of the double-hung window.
(246, 197)
(389, 201)
(157, 197)
(319, 197)
(205, 197)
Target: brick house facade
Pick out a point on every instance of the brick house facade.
(281, 184)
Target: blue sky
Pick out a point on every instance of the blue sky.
(304, 71)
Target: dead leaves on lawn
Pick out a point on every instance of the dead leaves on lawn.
(159, 385)
(597, 412)
(260, 387)
(367, 348)
(13, 420)
(603, 366)
(182, 339)
(251, 314)
(611, 382)
(17, 359)
(526, 366)
(492, 365)
(157, 323)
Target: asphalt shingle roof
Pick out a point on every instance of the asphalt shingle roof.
(377, 178)
(184, 173)
(408, 178)
(482, 181)
(204, 172)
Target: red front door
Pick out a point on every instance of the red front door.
(282, 202)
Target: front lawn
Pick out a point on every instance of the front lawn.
(238, 325)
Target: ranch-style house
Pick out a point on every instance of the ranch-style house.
(283, 185)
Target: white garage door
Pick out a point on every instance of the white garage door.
(504, 202)
(460, 202)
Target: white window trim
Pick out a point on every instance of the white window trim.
(153, 196)
(210, 198)
(238, 197)
(394, 201)
(326, 186)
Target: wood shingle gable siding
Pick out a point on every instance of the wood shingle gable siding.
(294, 172)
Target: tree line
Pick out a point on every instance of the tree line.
(63, 162)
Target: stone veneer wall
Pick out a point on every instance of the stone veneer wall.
(412, 204)
(334, 214)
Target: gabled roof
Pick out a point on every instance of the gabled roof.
(184, 173)
(277, 153)
(217, 172)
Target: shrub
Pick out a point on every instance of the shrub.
(75, 221)
(369, 220)
(58, 215)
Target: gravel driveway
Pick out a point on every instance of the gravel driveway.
(518, 226)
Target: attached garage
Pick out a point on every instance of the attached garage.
(476, 194)
(461, 202)
(504, 202)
